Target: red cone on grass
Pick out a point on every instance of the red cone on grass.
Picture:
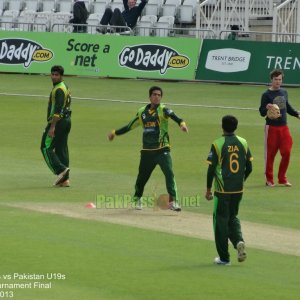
(90, 205)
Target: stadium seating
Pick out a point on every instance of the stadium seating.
(16, 5)
(93, 21)
(153, 7)
(117, 4)
(145, 26)
(48, 6)
(42, 21)
(169, 8)
(32, 5)
(65, 6)
(165, 25)
(99, 6)
(25, 20)
(9, 19)
(59, 22)
(3, 5)
(187, 11)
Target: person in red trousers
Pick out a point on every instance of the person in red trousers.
(277, 134)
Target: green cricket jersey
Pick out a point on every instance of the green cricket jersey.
(155, 126)
(229, 164)
(59, 101)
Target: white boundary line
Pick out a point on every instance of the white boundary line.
(138, 102)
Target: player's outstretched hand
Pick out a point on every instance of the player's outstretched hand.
(111, 136)
(184, 128)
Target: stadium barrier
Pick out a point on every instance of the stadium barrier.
(247, 61)
(154, 57)
(264, 36)
(99, 55)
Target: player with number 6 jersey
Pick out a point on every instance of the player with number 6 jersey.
(230, 163)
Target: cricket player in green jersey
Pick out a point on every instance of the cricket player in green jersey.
(54, 145)
(230, 163)
(154, 119)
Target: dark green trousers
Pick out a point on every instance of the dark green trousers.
(227, 226)
(148, 162)
(55, 150)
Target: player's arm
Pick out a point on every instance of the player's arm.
(131, 125)
(263, 105)
(291, 111)
(170, 114)
(248, 167)
(212, 162)
(142, 5)
(59, 103)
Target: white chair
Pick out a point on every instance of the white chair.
(187, 11)
(60, 22)
(100, 6)
(9, 19)
(32, 5)
(170, 8)
(48, 6)
(145, 26)
(65, 6)
(93, 21)
(165, 25)
(17, 5)
(117, 4)
(153, 7)
(42, 21)
(3, 5)
(25, 20)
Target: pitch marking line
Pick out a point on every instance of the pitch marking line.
(138, 102)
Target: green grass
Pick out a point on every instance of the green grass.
(103, 261)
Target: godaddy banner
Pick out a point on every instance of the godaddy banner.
(252, 62)
(99, 55)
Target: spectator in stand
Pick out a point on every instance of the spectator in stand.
(128, 17)
(233, 35)
(80, 16)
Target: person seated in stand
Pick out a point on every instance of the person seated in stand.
(80, 15)
(128, 17)
(234, 34)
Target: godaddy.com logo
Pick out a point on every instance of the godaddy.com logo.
(127, 201)
(17, 51)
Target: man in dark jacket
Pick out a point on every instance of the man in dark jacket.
(128, 17)
(80, 15)
(277, 133)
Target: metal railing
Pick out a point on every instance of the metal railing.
(219, 15)
(256, 35)
(174, 32)
(91, 29)
(15, 26)
(286, 19)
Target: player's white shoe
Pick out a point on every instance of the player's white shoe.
(62, 176)
(137, 204)
(218, 261)
(174, 206)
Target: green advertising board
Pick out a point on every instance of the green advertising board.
(99, 55)
(249, 62)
